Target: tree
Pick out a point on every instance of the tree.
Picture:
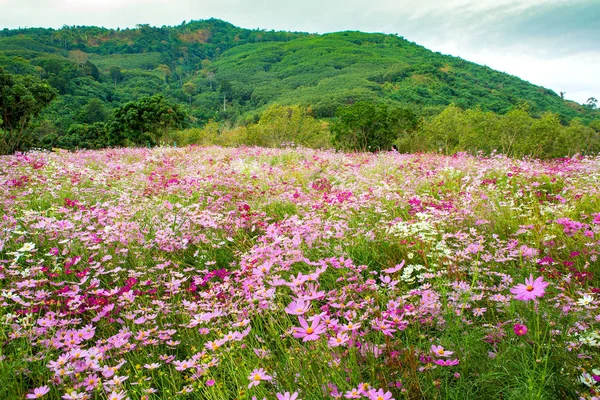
(365, 126)
(165, 70)
(91, 70)
(591, 103)
(93, 111)
(79, 57)
(225, 89)
(443, 132)
(514, 128)
(189, 89)
(542, 135)
(84, 136)
(22, 98)
(144, 121)
(115, 74)
(281, 125)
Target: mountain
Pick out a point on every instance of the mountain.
(223, 72)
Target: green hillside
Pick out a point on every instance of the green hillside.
(225, 73)
(333, 69)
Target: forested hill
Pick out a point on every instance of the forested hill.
(222, 72)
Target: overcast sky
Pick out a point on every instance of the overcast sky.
(551, 43)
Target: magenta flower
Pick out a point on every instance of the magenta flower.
(258, 375)
(530, 290)
(446, 363)
(520, 330)
(38, 392)
(308, 333)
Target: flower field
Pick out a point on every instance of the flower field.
(213, 273)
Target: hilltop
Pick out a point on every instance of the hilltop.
(200, 62)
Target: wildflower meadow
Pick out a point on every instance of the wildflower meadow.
(253, 273)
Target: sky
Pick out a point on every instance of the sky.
(550, 43)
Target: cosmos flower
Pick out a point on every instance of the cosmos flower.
(287, 396)
(379, 395)
(446, 363)
(257, 376)
(520, 330)
(531, 289)
(298, 307)
(440, 352)
(585, 300)
(117, 396)
(353, 394)
(339, 340)
(38, 392)
(308, 333)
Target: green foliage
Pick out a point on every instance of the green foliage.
(22, 98)
(515, 134)
(228, 74)
(144, 121)
(85, 136)
(288, 125)
(94, 111)
(365, 126)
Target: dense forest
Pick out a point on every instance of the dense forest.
(134, 86)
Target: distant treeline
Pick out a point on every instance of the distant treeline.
(358, 128)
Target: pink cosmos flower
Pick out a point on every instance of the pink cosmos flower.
(117, 396)
(379, 395)
(531, 289)
(38, 392)
(353, 394)
(308, 333)
(440, 352)
(91, 382)
(287, 396)
(298, 307)
(520, 330)
(339, 340)
(258, 375)
(446, 363)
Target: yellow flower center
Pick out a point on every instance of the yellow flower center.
(309, 330)
(529, 288)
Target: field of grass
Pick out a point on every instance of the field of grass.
(217, 273)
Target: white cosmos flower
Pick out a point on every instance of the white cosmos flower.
(587, 379)
(27, 247)
(585, 300)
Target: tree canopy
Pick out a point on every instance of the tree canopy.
(22, 98)
(366, 126)
(144, 121)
